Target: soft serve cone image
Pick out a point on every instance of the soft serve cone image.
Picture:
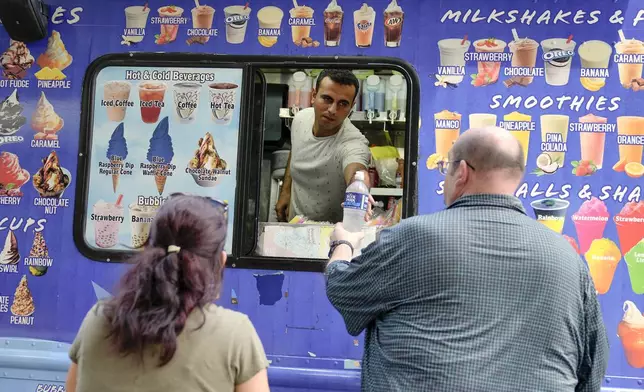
(206, 165)
(11, 118)
(631, 333)
(602, 258)
(51, 180)
(161, 153)
(23, 301)
(116, 153)
(16, 60)
(10, 253)
(56, 56)
(45, 121)
(39, 250)
(590, 221)
(635, 263)
(630, 225)
(12, 176)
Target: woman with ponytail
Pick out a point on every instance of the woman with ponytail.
(161, 331)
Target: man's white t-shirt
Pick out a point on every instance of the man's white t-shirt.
(317, 167)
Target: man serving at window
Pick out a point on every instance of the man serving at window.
(326, 151)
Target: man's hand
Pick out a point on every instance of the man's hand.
(340, 234)
(282, 207)
(369, 214)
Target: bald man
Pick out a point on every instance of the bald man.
(478, 297)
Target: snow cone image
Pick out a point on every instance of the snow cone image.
(160, 153)
(116, 153)
(590, 222)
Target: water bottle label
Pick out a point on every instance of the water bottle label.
(356, 201)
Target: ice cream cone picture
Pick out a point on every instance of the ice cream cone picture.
(10, 254)
(12, 176)
(39, 256)
(160, 154)
(56, 57)
(23, 302)
(116, 153)
(45, 121)
(16, 60)
(11, 118)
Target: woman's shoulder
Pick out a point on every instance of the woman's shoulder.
(226, 319)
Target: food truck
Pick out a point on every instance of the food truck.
(125, 103)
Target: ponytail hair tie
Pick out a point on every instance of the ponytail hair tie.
(173, 249)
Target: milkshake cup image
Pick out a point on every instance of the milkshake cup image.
(186, 101)
(107, 221)
(333, 24)
(551, 213)
(223, 102)
(524, 55)
(602, 258)
(482, 120)
(136, 19)
(523, 136)
(635, 263)
(236, 23)
(630, 126)
(592, 143)
(631, 333)
(452, 53)
(394, 18)
(447, 129)
(151, 95)
(554, 134)
(117, 153)
(116, 94)
(169, 31)
(488, 71)
(630, 225)
(141, 218)
(270, 21)
(590, 221)
(202, 17)
(629, 71)
(557, 57)
(299, 32)
(363, 25)
(594, 55)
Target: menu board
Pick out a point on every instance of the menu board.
(158, 131)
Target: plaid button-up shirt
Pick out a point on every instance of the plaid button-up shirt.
(478, 297)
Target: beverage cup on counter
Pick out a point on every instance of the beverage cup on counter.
(223, 101)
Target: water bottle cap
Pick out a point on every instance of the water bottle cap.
(359, 176)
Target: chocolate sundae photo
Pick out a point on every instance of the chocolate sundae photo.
(51, 180)
(16, 61)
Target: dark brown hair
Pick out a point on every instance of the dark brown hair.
(159, 292)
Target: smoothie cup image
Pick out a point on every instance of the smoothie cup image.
(592, 143)
(482, 120)
(635, 263)
(202, 17)
(223, 102)
(141, 218)
(447, 129)
(488, 71)
(630, 225)
(270, 20)
(237, 17)
(300, 32)
(551, 213)
(524, 55)
(394, 18)
(116, 94)
(554, 134)
(602, 258)
(151, 95)
(594, 55)
(452, 53)
(136, 19)
(590, 221)
(630, 126)
(107, 221)
(523, 136)
(363, 25)
(333, 15)
(169, 31)
(629, 71)
(186, 101)
(631, 333)
(557, 57)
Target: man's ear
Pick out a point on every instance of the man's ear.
(314, 94)
(462, 174)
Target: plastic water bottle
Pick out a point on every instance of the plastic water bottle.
(356, 202)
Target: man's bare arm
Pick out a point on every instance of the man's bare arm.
(284, 199)
(350, 171)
